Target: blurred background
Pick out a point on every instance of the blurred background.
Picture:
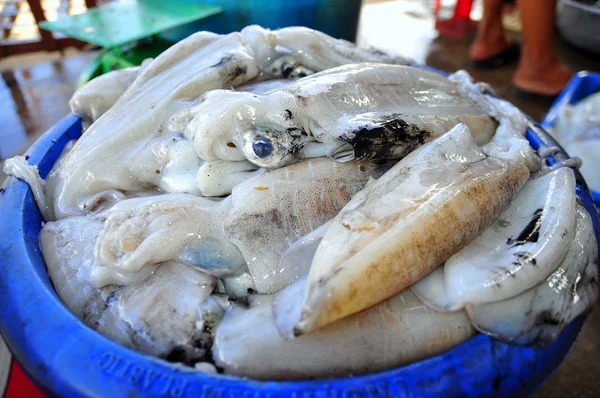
(45, 57)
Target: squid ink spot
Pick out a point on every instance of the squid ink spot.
(112, 296)
(238, 71)
(223, 61)
(574, 294)
(177, 355)
(208, 357)
(262, 147)
(531, 233)
(296, 132)
(522, 258)
(383, 168)
(546, 318)
(241, 301)
(385, 139)
(229, 72)
(286, 70)
(206, 339)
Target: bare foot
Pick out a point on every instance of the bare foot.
(482, 49)
(548, 79)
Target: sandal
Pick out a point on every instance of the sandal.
(532, 96)
(506, 57)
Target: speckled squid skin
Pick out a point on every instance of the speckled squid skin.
(270, 212)
(514, 253)
(402, 226)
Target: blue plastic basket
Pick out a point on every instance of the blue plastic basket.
(66, 358)
(582, 85)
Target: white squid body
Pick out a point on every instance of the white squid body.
(162, 316)
(402, 226)
(353, 112)
(140, 233)
(578, 131)
(516, 252)
(509, 139)
(538, 315)
(246, 232)
(94, 98)
(129, 146)
(395, 332)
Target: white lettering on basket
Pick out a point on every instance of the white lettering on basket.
(168, 385)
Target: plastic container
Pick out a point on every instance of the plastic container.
(580, 86)
(337, 18)
(66, 358)
(579, 24)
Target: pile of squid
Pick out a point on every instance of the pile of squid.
(284, 205)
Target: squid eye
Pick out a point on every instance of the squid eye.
(262, 147)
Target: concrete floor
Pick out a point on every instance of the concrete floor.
(34, 96)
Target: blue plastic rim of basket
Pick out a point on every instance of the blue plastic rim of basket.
(66, 358)
(582, 85)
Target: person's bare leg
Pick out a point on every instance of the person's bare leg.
(491, 39)
(539, 69)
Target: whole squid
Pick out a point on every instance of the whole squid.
(128, 147)
(246, 232)
(392, 333)
(402, 226)
(516, 252)
(352, 112)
